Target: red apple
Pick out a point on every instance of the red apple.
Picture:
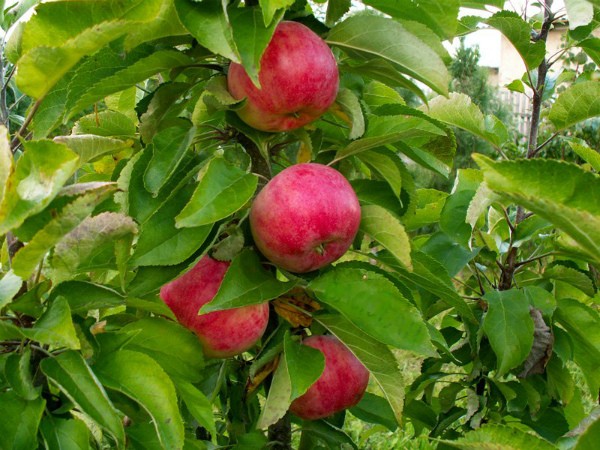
(305, 217)
(340, 386)
(222, 333)
(298, 81)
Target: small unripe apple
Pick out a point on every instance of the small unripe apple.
(298, 81)
(340, 386)
(305, 217)
(222, 333)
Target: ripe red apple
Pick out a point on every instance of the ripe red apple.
(298, 81)
(340, 386)
(305, 217)
(222, 333)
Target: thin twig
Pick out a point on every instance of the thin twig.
(530, 260)
(546, 142)
(15, 142)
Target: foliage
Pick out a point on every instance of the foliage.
(130, 164)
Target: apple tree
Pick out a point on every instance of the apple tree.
(130, 153)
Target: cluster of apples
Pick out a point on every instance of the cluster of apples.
(304, 218)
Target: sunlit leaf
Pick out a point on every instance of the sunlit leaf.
(154, 391)
(372, 303)
(376, 357)
(27, 259)
(387, 39)
(19, 425)
(492, 436)
(518, 32)
(74, 377)
(387, 230)
(246, 283)
(39, 174)
(564, 194)
(222, 190)
(577, 103)
(509, 327)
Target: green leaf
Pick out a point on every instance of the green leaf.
(377, 94)
(431, 276)
(92, 245)
(375, 356)
(166, 24)
(579, 12)
(158, 337)
(588, 440)
(106, 123)
(198, 405)
(6, 160)
(574, 277)
(251, 37)
(168, 149)
(161, 113)
(383, 71)
(518, 32)
(27, 259)
(305, 365)
(74, 377)
(492, 436)
(207, 22)
(372, 303)
(453, 256)
(223, 189)
(591, 47)
(442, 18)
(141, 70)
(74, 29)
(387, 230)
(426, 140)
(298, 368)
(351, 112)
(509, 327)
(17, 371)
(564, 194)
(41, 171)
(577, 103)
(19, 425)
(387, 164)
(589, 155)
(65, 434)
(161, 243)
(428, 209)
(10, 285)
(55, 327)
(154, 391)
(41, 68)
(84, 296)
(376, 410)
(384, 38)
(453, 220)
(373, 192)
(270, 7)
(367, 143)
(90, 147)
(278, 401)
(336, 9)
(137, 201)
(246, 283)
(458, 110)
(582, 323)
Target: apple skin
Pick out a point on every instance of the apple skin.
(340, 386)
(298, 77)
(305, 217)
(222, 333)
